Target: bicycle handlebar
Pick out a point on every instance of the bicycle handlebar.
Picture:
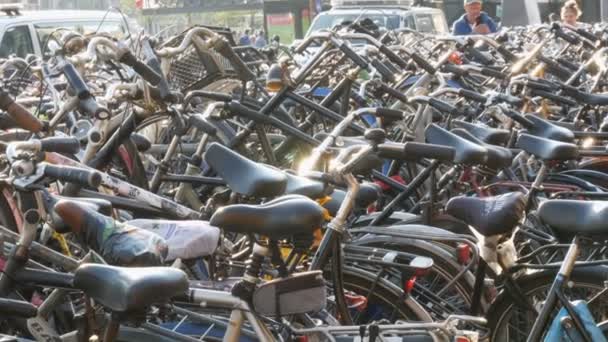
(223, 47)
(22, 116)
(142, 69)
(172, 51)
(71, 174)
(69, 145)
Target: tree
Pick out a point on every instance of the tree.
(128, 7)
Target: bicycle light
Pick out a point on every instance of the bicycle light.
(463, 253)
(467, 336)
(274, 78)
(456, 58)
(409, 285)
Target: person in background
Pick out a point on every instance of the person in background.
(260, 41)
(245, 40)
(570, 13)
(276, 40)
(474, 21)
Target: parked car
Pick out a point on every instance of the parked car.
(387, 14)
(24, 32)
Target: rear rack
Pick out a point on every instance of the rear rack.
(400, 331)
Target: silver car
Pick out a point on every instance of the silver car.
(23, 32)
(390, 17)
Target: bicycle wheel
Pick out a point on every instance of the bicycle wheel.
(384, 299)
(509, 322)
(430, 290)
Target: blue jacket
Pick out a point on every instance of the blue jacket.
(244, 40)
(462, 28)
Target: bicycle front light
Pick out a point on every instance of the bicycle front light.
(274, 78)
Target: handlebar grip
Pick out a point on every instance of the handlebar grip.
(472, 95)
(198, 121)
(516, 101)
(517, 117)
(17, 308)
(443, 106)
(568, 89)
(75, 80)
(392, 56)
(164, 95)
(163, 86)
(391, 150)
(223, 97)
(352, 55)
(553, 97)
(153, 62)
(566, 63)
(423, 63)
(383, 70)
(142, 69)
(240, 110)
(22, 117)
(392, 67)
(243, 71)
(565, 36)
(71, 174)
(586, 34)
(493, 73)
(555, 68)
(508, 55)
(479, 56)
(301, 47)
(60, 145)
(414, 150)
(390, 114)
(540, 86)
(393, 92)
(454, 69)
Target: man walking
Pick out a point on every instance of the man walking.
(245, 39)
(260, 40)
(474, 21)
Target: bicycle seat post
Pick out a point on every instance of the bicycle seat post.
(112, 329)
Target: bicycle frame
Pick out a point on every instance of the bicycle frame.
(556, 296)
(46, 277)
(130, 191)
